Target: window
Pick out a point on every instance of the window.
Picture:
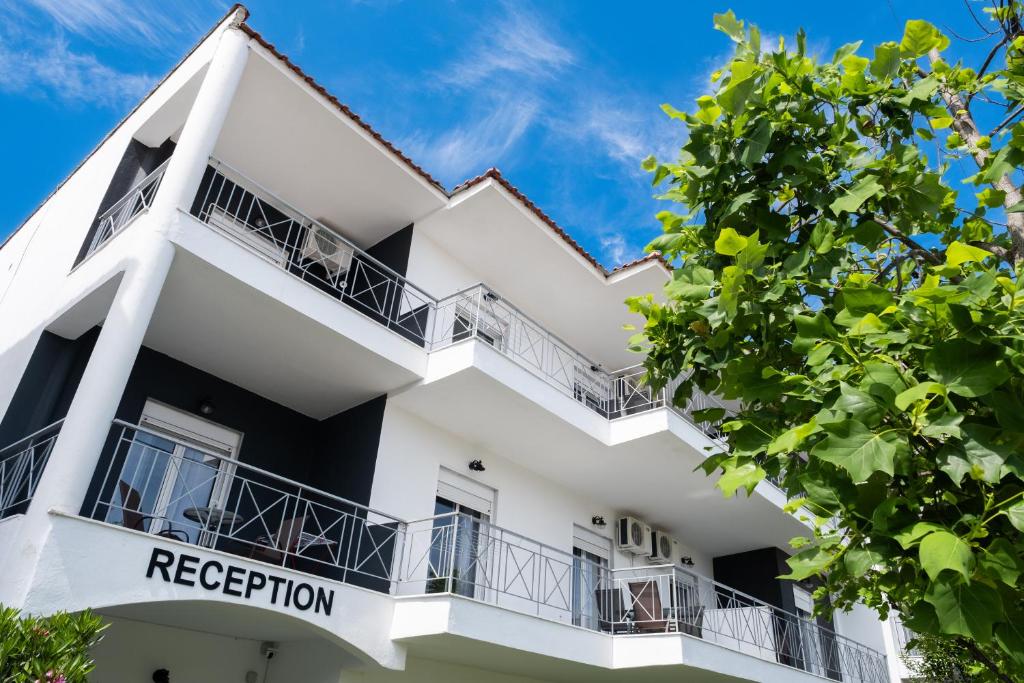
(180, 464)
(590, 555)
(460, 538)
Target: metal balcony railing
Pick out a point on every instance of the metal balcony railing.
(134, 203)
(173, 487)
(480, 313)
(463, 555)
(314, 252)
(311, 251)
(166, 486)
(21, 465)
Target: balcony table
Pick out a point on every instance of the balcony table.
(213, 519)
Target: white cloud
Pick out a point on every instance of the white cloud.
(614, 249)
(517, 46)
(54, 70)
(474, 146)
(124, 21)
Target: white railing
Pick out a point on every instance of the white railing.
(463, 555)
(173, 488)
(311, 251)
(480, 313)
(134, 203)
(316, 253)
(21, 465)
(170, 487)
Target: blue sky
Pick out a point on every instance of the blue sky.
(562, 97)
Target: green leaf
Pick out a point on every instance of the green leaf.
(728, 24)
(943, 550)
(912, 535)
(958, 253)
(757, 143)
(919, 37)
(858, 450)
(790, 440)
(965, 609)
(806, 563)
(866, 299)
(966, 369)
(919, 392)
(1015, 513)
(1000, 560)
(864, 189)
(861, 405)
(692, 282)
(708, 110)
(746, 476)
(987, 449)
(859, 560)
(845, 51)
(730, 242)
(886, 61)
(867, 324)
(733, 98)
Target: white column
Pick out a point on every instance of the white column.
(203, 125)
(65, 480)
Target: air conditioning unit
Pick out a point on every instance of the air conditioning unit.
(633, 535)
(663, 548)
(327, 248)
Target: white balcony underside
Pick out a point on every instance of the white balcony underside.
(233, 314)
(640, 464)
(462, 631)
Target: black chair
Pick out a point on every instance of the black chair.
(613, 617)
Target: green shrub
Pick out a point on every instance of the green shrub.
(52, 649)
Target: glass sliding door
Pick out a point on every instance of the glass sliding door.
(588, 572)
(457, 553)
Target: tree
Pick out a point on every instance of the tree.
(52, 649)
(861, 302)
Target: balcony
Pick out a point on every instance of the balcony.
(21, 465)
(320, 256)
(182, 490)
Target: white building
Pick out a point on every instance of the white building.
(255, 392)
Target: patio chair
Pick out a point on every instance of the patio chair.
(612, 615)
(648, 614)
(280, 546)
(132, 517)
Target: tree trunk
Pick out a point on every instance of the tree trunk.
(964, 125)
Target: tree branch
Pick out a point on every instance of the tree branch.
(1008, 120)
(1002, 252)
(963, 123)
(976, 652)
(906, 239)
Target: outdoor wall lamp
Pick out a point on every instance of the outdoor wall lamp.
(161, 676)
(598, 521)
(206, 407)
(476, 466)
(686, 561)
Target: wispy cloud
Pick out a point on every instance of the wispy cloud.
(470, 148)
(53, 70)
(519, 46)
(50, 48)
(122, 21)
(614, 248)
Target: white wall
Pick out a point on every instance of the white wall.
(409, 459)
(436, 270)
(132, 650)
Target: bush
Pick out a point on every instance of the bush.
(52, 649)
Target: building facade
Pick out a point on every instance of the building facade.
(281, 407)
